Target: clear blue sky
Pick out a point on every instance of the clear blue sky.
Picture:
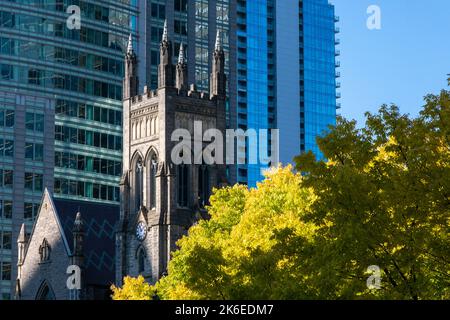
(408, 58)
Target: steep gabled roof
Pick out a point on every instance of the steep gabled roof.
(47, 198)
(100, 222)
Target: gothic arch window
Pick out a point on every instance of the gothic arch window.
(44, 251)
(141, 257)
(139, 182)
(141, 261)
(45, 292)
(183, 185)
(152, 183)
(203, 185)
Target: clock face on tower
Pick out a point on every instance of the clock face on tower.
(141, 231)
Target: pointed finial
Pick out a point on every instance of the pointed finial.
(22, 235)
(181, 56)
(78, 224)
(165, 32)
(130, 45)
(218, 41)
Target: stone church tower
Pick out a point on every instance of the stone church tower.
(159, 199)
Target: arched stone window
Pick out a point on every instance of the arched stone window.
(44, 251)
(203, 185)
(141, 256)
(152, 182)
(141, 261)
(183, 185)
(45, 292)
(139, 183)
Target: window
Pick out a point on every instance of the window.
(34, 122)
(7, 118)
(154, 57)
(153, 172)
(34, 76)
(30, 210)
(6, 148)
(141, 260)
(182, 175)
(45, 292)
(90, 138)
(5, 271)
(203, 185)
(139, 183)
(6, 72)
(6, 240)
(6, 209)
(9, 148)
(180, 5)
(82, 189)
(33, 182)
(44, 251)
(34, 152)
(6, 178)
(180, 27)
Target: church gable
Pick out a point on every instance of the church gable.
(47, 255)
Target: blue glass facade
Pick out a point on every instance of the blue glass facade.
(286, 75)
(318, 110)
(257, 82)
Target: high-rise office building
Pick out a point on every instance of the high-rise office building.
(286, 74)
(60, 108)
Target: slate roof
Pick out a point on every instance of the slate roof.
(100, 222)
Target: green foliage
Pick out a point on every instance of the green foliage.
(384, 199)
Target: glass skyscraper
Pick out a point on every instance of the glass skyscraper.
(60, 108)
(286, 75)
(318, 71)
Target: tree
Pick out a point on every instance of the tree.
(250, 248)
(384, 200)
(134, 289)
